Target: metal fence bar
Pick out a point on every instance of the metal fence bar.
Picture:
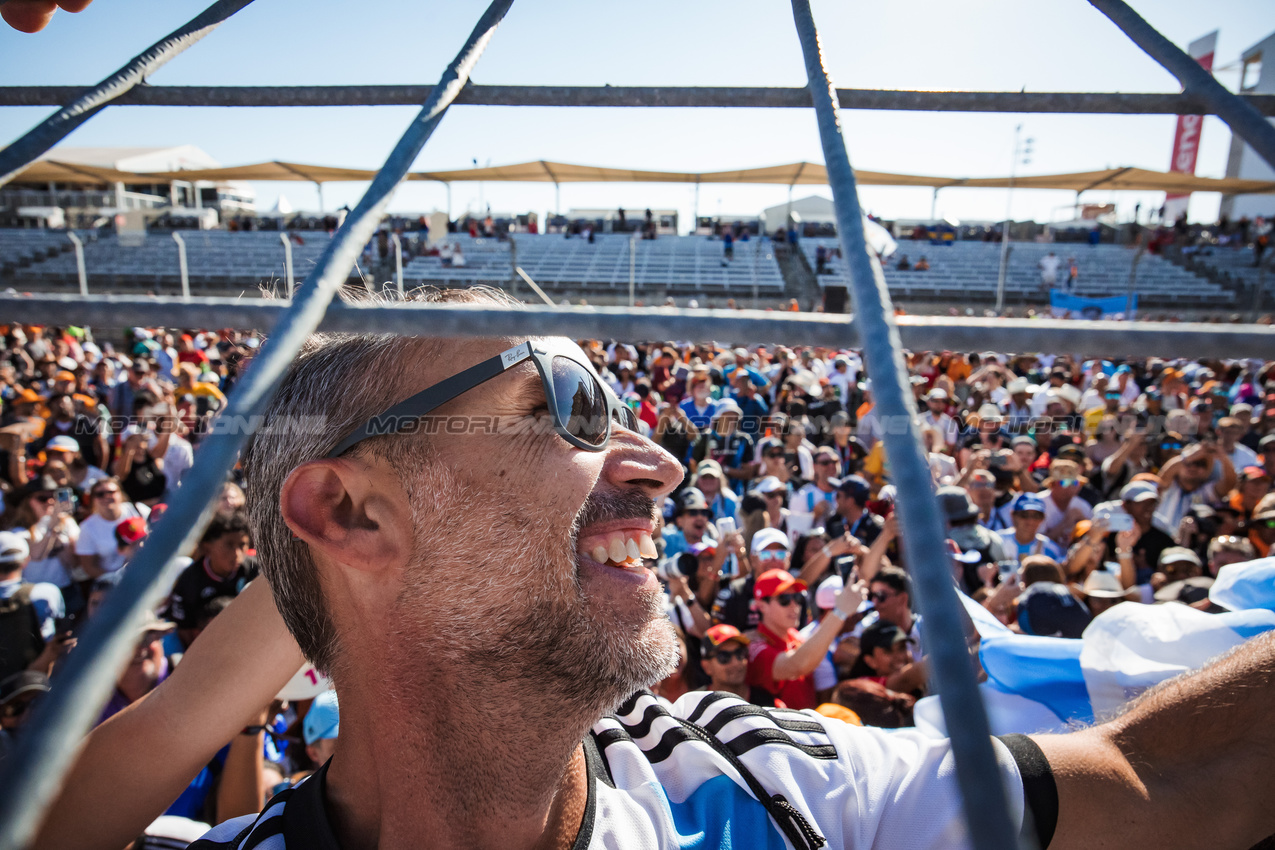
(919, 333)
(983, 796)
(649, 96)
(83, 105)
(1241, 117)
(31, 775)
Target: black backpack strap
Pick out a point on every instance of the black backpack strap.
(791, 821)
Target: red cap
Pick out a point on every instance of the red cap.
(773, 582)
(1254, 473)
(719, 634)
(131, 530)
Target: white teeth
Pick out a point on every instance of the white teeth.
(633, 552)
(618, 550)
(646, 546)
(599, 554)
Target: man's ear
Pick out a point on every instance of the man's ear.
(353, 514)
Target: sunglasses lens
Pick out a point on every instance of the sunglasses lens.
(627, 418)
(582, 408)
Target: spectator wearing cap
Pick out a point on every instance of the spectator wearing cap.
(771, 460)
(1229, 430)
(96, 548)
(825, 600)
(710, 479)
(1188, 479)
(814, 503)
(743, 365)
(1252, 485)
(50, 531)
(692, 520)
(1101, 591)
(851, 515)
(842, 377)
(1027, 512)
(1228, 549)
(1139, 500)
(1266, 448)
(1049, 609)
(935, 416)
(885, 657)
(85, 431)
(725, 660)
(18, 692)
(729, 447)
(1018, 410)
(147, 667)
(772, 492)
(321, 727)
(781, 663)
(1261, 528)
(753, 408)
(963, 528)
(83, 474)
(28, 614)
(222, 568)
(1177, 563)
(769, 549)
(1063, 506)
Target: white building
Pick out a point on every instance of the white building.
(1256, 77)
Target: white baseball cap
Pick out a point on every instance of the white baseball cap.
(767, 537)
(14, 550)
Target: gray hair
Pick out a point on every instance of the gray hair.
(336, 383)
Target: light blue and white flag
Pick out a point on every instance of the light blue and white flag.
(1063, 305)
(1040, 684)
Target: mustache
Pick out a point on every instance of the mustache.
(607, 506)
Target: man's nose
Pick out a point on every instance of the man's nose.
(635, 461)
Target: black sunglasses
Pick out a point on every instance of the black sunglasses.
(879, 596)
(726, 656)
(786, 598)
(582, 407)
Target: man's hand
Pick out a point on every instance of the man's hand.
(34, 15)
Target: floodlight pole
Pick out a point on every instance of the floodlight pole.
(79, 261)
(287, 263)
(1009, 200)
(181, 264)
(633, 265)
(398, 261)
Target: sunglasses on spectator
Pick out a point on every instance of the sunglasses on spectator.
(774, 454)
(880, 596)
(1265, 523)
(47, 498)
(981, 485)
(786, 599)
(102, 494)
(726, 656)
(1170, 447)
(773, 494)
(582, 408)
(1068, 482)
(772, 554)
(703, 513)
(1197, 464)
(827, 461)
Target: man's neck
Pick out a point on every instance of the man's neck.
(455, 770)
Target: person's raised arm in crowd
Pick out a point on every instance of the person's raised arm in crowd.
(802, 661)
(870, 563)
(158, 744)
(1186, 765)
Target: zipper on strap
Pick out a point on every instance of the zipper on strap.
(793, 823)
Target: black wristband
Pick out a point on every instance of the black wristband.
(252, 730)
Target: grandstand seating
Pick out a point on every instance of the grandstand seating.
(1236, 264)
(679, 263)
(213, 257)
(23, 246)
(970, 269)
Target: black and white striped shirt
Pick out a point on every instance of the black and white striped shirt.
(656, 781)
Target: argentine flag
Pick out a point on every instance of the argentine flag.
(1043, 684)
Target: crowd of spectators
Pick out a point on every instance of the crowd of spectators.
(1068, 486)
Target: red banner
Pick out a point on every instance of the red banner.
(1186, 141)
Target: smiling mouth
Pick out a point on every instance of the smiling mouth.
(619, 549)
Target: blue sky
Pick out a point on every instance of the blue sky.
(1048, 45)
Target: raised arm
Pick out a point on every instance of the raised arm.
(135, 764)
(1187, 765)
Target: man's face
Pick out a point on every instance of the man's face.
(890, 603)
(825, 467)
(780, 612)
(1027, 523)
(143, 670)
(138, 373)
(519, 577)
(1229, 434)
(64, 408)
(710, 485)
(936, 405)
(1264, 529)
(726, 423)
(1252, 490)
(1026, 454)
(888, 661)
(106, 499)
(727, 665)
(1142, 511)
(1195, 469)
(227, 553)
(694, 523)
